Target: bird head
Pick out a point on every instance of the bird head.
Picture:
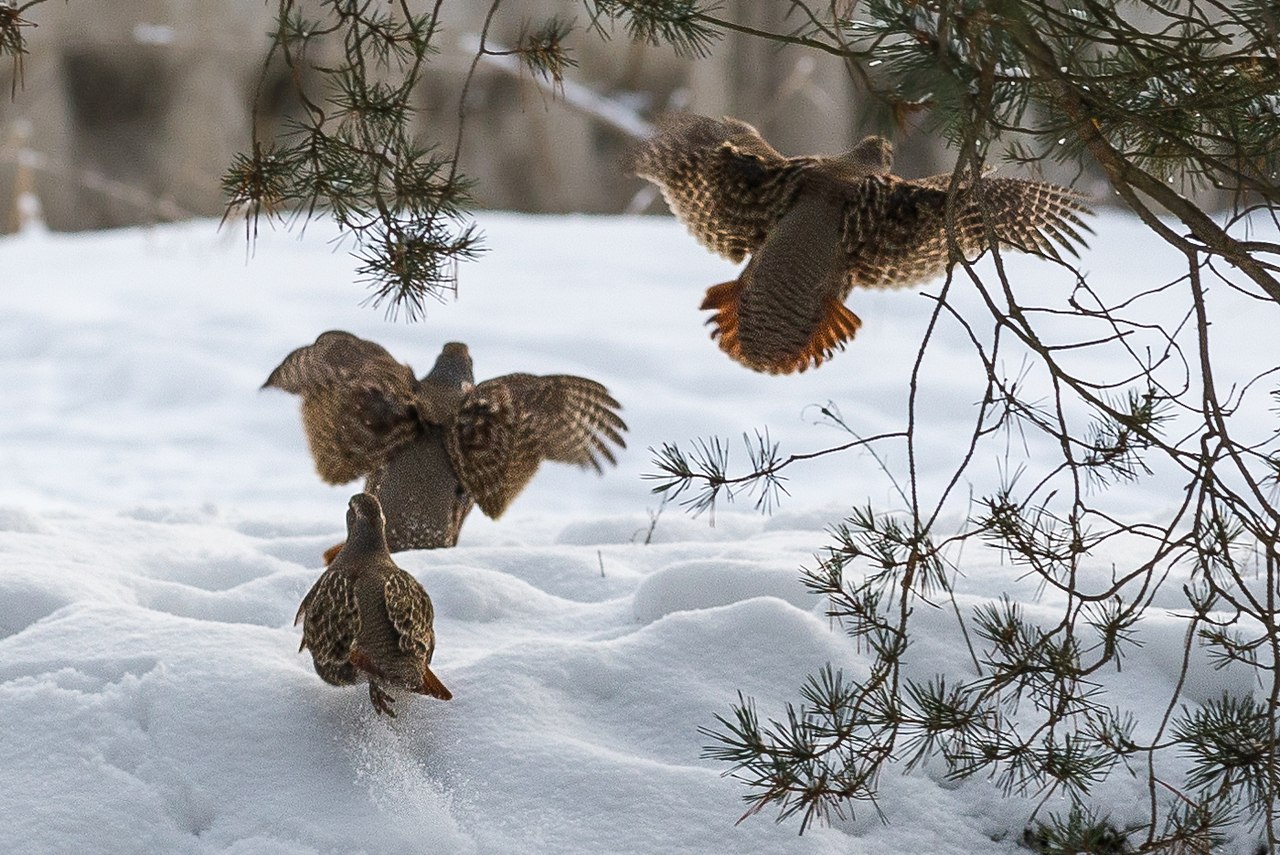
(872, 156)
(364, 517)
(453, 368)
(335, 338)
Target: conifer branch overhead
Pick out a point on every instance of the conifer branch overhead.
(354, 153)
(13, 43)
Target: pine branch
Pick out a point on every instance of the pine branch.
(354, 156)
(13, 43)
(705, 470)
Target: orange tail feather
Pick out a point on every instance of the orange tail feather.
(432, 686)
(332, 552)
(723, 299)
(836, 326)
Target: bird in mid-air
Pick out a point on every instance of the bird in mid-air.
(817, 226)
(366, 620)
(431, 448)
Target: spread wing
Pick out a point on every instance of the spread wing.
(895, 231)
(721, 179)
(508, 425)
(1030, 216)
(359, 405)
(786, 311)
(331, 625)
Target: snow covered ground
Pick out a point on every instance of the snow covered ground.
(160, 521)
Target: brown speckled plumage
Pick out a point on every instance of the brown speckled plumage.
(505, 428)
(424, 501)
(432, 448)
(358, 403)
(816, 227)
(366, 620)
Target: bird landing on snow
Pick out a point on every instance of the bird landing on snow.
(432, 448)
(817, 226)
(366, 620)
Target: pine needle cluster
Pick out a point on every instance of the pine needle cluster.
(352, 151)
(13, 43)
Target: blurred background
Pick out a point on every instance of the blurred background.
(129, 112)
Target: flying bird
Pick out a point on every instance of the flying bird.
(817, 226)
(431, 448)
(366, 620)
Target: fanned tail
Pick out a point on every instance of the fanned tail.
(723, 300)
(838, 326)
(770, 355)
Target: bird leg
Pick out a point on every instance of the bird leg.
(381, 700)
(361, 660)
(377, 696)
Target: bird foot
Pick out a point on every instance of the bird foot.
(381, 700)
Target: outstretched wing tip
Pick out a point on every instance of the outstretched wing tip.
(720, 178)
(510, 424)
(358, 403)
(273, 381)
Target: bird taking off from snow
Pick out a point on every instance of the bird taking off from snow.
(431, 448)
(817, 226)
(366, 620)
